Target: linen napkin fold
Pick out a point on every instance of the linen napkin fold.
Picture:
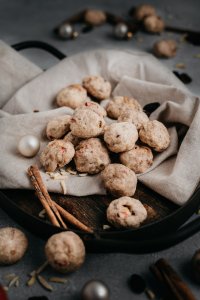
(174, 174)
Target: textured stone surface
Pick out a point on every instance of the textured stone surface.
(33, 20)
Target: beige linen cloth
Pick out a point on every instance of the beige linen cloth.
(25, 88)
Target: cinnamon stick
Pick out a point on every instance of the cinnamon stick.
(44, 197)
(167, 276)
(73, 220)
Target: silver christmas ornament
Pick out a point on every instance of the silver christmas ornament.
(121, 30)
(65, 31)
(28, 145)
(95, 290)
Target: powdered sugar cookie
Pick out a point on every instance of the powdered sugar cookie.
(56, 155)
(94, 107)
(58, 127)
(119, 180)
(72, 96)
(138, 118)
(86, 123)
(126, 212)
(91, 156)
(155, 134)
(138, 159)
(97, 86)
(118, 104)
(120, 137)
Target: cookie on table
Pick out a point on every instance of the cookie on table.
(118, 104)
(126, 212)
(138, 118)
(155, 135)
(58, 127)
(86, 123)
(91, 156)
(97, 87)
(56, 154)
(120, 137)
(69, 137)
(119, 180)
(94, 107)
(139, 159)
(72, 96)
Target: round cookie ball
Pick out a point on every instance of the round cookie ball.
(13, 245)
(155, 134)
(56, 155)
(58, 127)
(143, 11)
(126, 212)
(94, 107)
(86, 123)
(91, 156)
(97, 86)
(72, 96)
(138, 118)
(165, 48)
(118, 104)
(95, 17)
(65, 251)
(72, 139)
(138, 159)
(120, 137)
(119, 180)
(154, 24)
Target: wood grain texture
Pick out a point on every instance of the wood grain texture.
(91, 210)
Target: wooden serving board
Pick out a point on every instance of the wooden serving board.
(91, 210)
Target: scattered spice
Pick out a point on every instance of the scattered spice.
(82, 174)
(63, 186)
(36, 110)
(42, 214)
(44, 283)
(105, 227)
(180, 66)
(13, 281)
(9, 276)
(71, 171)
(150, 294)
(58, 280)
(32, 280)
(184, 77)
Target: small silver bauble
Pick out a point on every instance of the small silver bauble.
(121, 30)
(28, 145)
(65, 31)
(95, 289)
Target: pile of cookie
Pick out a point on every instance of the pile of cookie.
(95, 146)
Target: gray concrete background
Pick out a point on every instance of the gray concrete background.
(33, 20)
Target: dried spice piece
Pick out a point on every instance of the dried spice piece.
(13, 281)
(180, 66)
(9, 276)
(184, 77)
(32, 280)
(137, 283)
(58, 280)
(44, 283)
(150, 107)
(150, 294)
(42, 214)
